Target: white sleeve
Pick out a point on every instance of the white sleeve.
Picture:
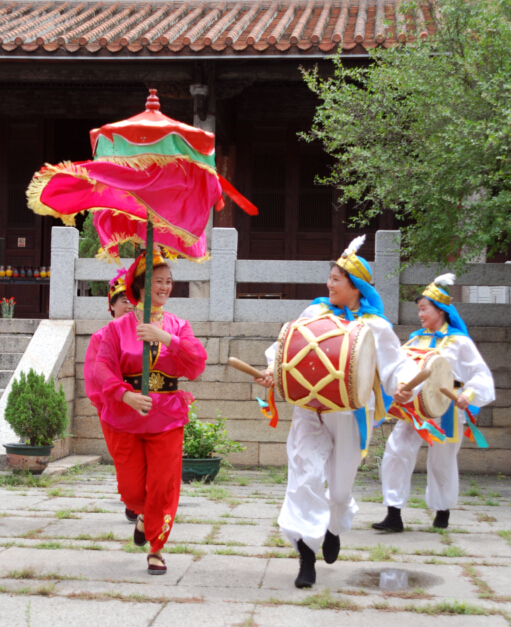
(394, 366)
(310, 312)
(471, 369)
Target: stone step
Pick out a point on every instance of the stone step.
(14, 343)
(9, 361)
(5, 377)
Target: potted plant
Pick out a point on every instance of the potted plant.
(204, 445)
(37, 413)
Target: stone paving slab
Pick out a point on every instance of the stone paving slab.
(225, 570)
(439, 581)
(255, 536)
(97, 565)
(220, 614)
(484, 545)
(15, 526)
(189, 532)
(94, 527)
(499, 579)
(285, 616)
(22, 611)
(72, 503)
(15, 502)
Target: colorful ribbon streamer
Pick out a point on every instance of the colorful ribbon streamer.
(472, 432)
(272, 414)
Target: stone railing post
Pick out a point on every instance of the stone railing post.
(64, 251)
(386, 278)
(224, 251)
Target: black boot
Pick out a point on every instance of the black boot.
(331, 547)
(392, 522)
(307, 575)
(441, 519)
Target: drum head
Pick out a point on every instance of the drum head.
(362, 367)
(434, 402)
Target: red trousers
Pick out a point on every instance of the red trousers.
(148, 467)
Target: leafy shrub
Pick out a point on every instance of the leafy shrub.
(35, 410)
(204, 439)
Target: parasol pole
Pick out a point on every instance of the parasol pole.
(147, 304)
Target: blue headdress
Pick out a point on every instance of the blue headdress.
(360, 274)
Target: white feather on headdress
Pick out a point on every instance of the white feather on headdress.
(445, 279)
(354, 246)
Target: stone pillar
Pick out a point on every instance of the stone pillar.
(386, 264)
(64, 251)
(224, 247)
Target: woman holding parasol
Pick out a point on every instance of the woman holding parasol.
(144, 433)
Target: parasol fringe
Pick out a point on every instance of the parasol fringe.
(170, 253)
(144, 161)
(43, 177)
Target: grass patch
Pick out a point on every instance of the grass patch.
(471, 492)
(28, 572)
(231, 552)
(485, 518)
(184, 549)
(107, 537)
(485, 592)
(491, 503)
(65, 513)
(417, 593)
(495, 495)
(349, 557)
(382, 553)
(417, 503)
(353, 593)
(450, 551)
(30, 534)
(274, 539)
(506, 534)
(320, 601)
(212, 492)
(131, 547)
(376, 498)
(50, 544)
(131, 598)
(449, 607)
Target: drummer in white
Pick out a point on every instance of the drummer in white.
(329, 449)
(443, 330)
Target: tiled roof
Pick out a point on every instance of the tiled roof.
(184, 28)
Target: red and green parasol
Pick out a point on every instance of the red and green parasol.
(152, 181)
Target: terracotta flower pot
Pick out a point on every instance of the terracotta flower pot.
(25, 457)
(200, 469)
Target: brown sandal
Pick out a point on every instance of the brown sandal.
(155, 569)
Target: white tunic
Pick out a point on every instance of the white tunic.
(329, 451)
(470, 369)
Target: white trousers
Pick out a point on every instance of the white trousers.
(318, 453)
(399, 462)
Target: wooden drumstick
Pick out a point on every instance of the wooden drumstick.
(422, 376)
(449, 393)
(246, 368)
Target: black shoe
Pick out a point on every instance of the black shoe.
(392, 522)
(130, 515)
(441, 519)
(331, 547)
(139, 536)
(307, 575)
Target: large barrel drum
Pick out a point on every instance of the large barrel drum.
(325, 363)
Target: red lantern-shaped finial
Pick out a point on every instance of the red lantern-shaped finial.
(153, 102)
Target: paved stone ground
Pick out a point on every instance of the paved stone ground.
(66, 558)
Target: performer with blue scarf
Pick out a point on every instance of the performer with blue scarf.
(444, 331)
(330, 448)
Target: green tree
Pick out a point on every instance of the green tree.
(424, 131)
(89, 246)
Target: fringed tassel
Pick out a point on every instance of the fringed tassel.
(426, 429)
(144, 161)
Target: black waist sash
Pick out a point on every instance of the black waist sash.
(159, 382)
